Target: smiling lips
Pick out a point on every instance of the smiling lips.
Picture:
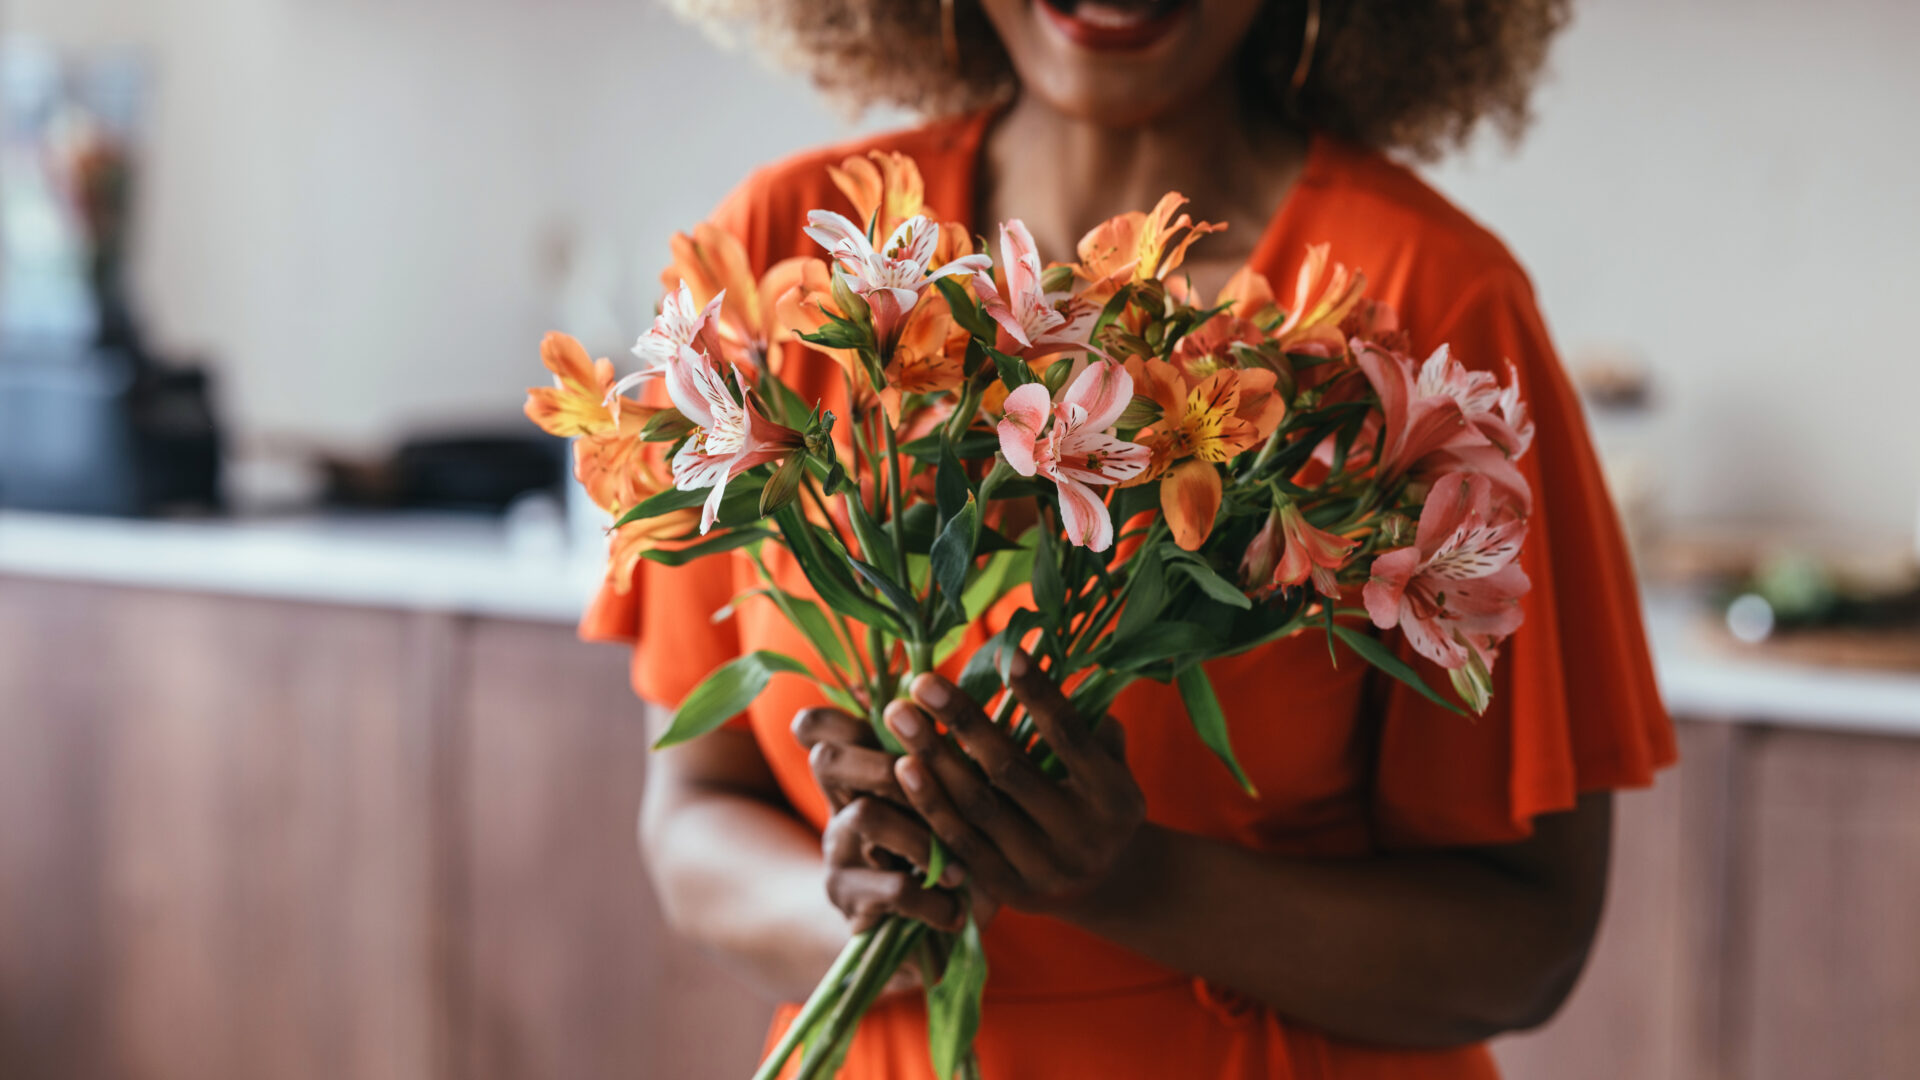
(1114, 25)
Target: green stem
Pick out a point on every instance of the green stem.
(868, 979)
(823, 996)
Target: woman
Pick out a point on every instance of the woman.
(1408, 883)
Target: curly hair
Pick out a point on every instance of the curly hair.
(1412, 77)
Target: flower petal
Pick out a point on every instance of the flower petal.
(1084, 516)
(1025, 416)
(1190, 497)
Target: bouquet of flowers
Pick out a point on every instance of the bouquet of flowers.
(1175, 479)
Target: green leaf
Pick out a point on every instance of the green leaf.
(1211, 583)
(892, 591)
(1209, 722)
(814, 623)
(665, 502)
(726, 694)
(965, 311)
(952, 489)
(1375, 652)
(875, 545)
(727, 541)
(1147, 597)
(828, 569)
(1159, 642)
(980, 679)
(953, 1003)
(1049, 589)
(952, 554)
(1014, 371)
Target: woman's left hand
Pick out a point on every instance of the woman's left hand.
(1026, 839)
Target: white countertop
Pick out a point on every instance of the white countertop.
(417, 561)
(479, 566)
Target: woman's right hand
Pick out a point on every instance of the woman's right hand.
(876, 848)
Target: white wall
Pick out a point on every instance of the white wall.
(1730, 186)
(349, 201)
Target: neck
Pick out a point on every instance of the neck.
(1063, 175)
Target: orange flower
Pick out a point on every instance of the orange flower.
(1322, 296)
(576, 403)
(928, 356)
(884, 184)
(712, 259)
(1138, 246)
(1226, 414)
(1250, 294)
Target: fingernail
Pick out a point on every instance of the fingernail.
(933, 690)
(909, 773)
(1019, 664)
(952, 877)
(904, 720)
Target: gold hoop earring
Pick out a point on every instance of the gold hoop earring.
(1309, 43)
(949, 34)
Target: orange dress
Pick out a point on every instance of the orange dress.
(1575, 708)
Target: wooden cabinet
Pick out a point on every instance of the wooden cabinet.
(249, 839)
(268, 840)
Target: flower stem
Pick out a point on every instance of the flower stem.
(823, 997)
(877, 965)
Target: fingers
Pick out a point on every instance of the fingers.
(1059, 723)
(865, 896)
(1006, 766)
(846, 763)
(986, 867)
(858, 834)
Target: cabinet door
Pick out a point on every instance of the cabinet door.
(1827, 908)
(572, 973)
(1647, 1005)
(213, 840)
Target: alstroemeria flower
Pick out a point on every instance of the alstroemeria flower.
(682, 332)
(1420, 419)
(710, 263)
(1249, 296)
(1031, 318)
(884, 187)
(893, 277)
(1309, 552)
(1471, 423)
(731, 437)
(629, 542)
(927, 358)
(1209, 347)
(1200, 426)
(1323, 295)
(1138, 246)
(1456, 592)
(1070, 443)
(583, 399)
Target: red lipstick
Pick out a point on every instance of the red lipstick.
(1113, 25)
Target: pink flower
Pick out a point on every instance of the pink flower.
(731, 438)
(1077, 450)
(682, 331)
(1310, 553)
(893, 278)
(1420, 417)
(1456, 592)
(1026, 313)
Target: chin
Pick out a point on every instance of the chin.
(1121, 63)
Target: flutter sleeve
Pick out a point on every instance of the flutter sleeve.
(1575, 706)
(666, 614)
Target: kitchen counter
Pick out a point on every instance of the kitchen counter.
(480, 566)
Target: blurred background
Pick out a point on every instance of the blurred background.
(302, 772)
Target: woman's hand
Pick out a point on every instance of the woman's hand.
(1028, 840)
(876, 849)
